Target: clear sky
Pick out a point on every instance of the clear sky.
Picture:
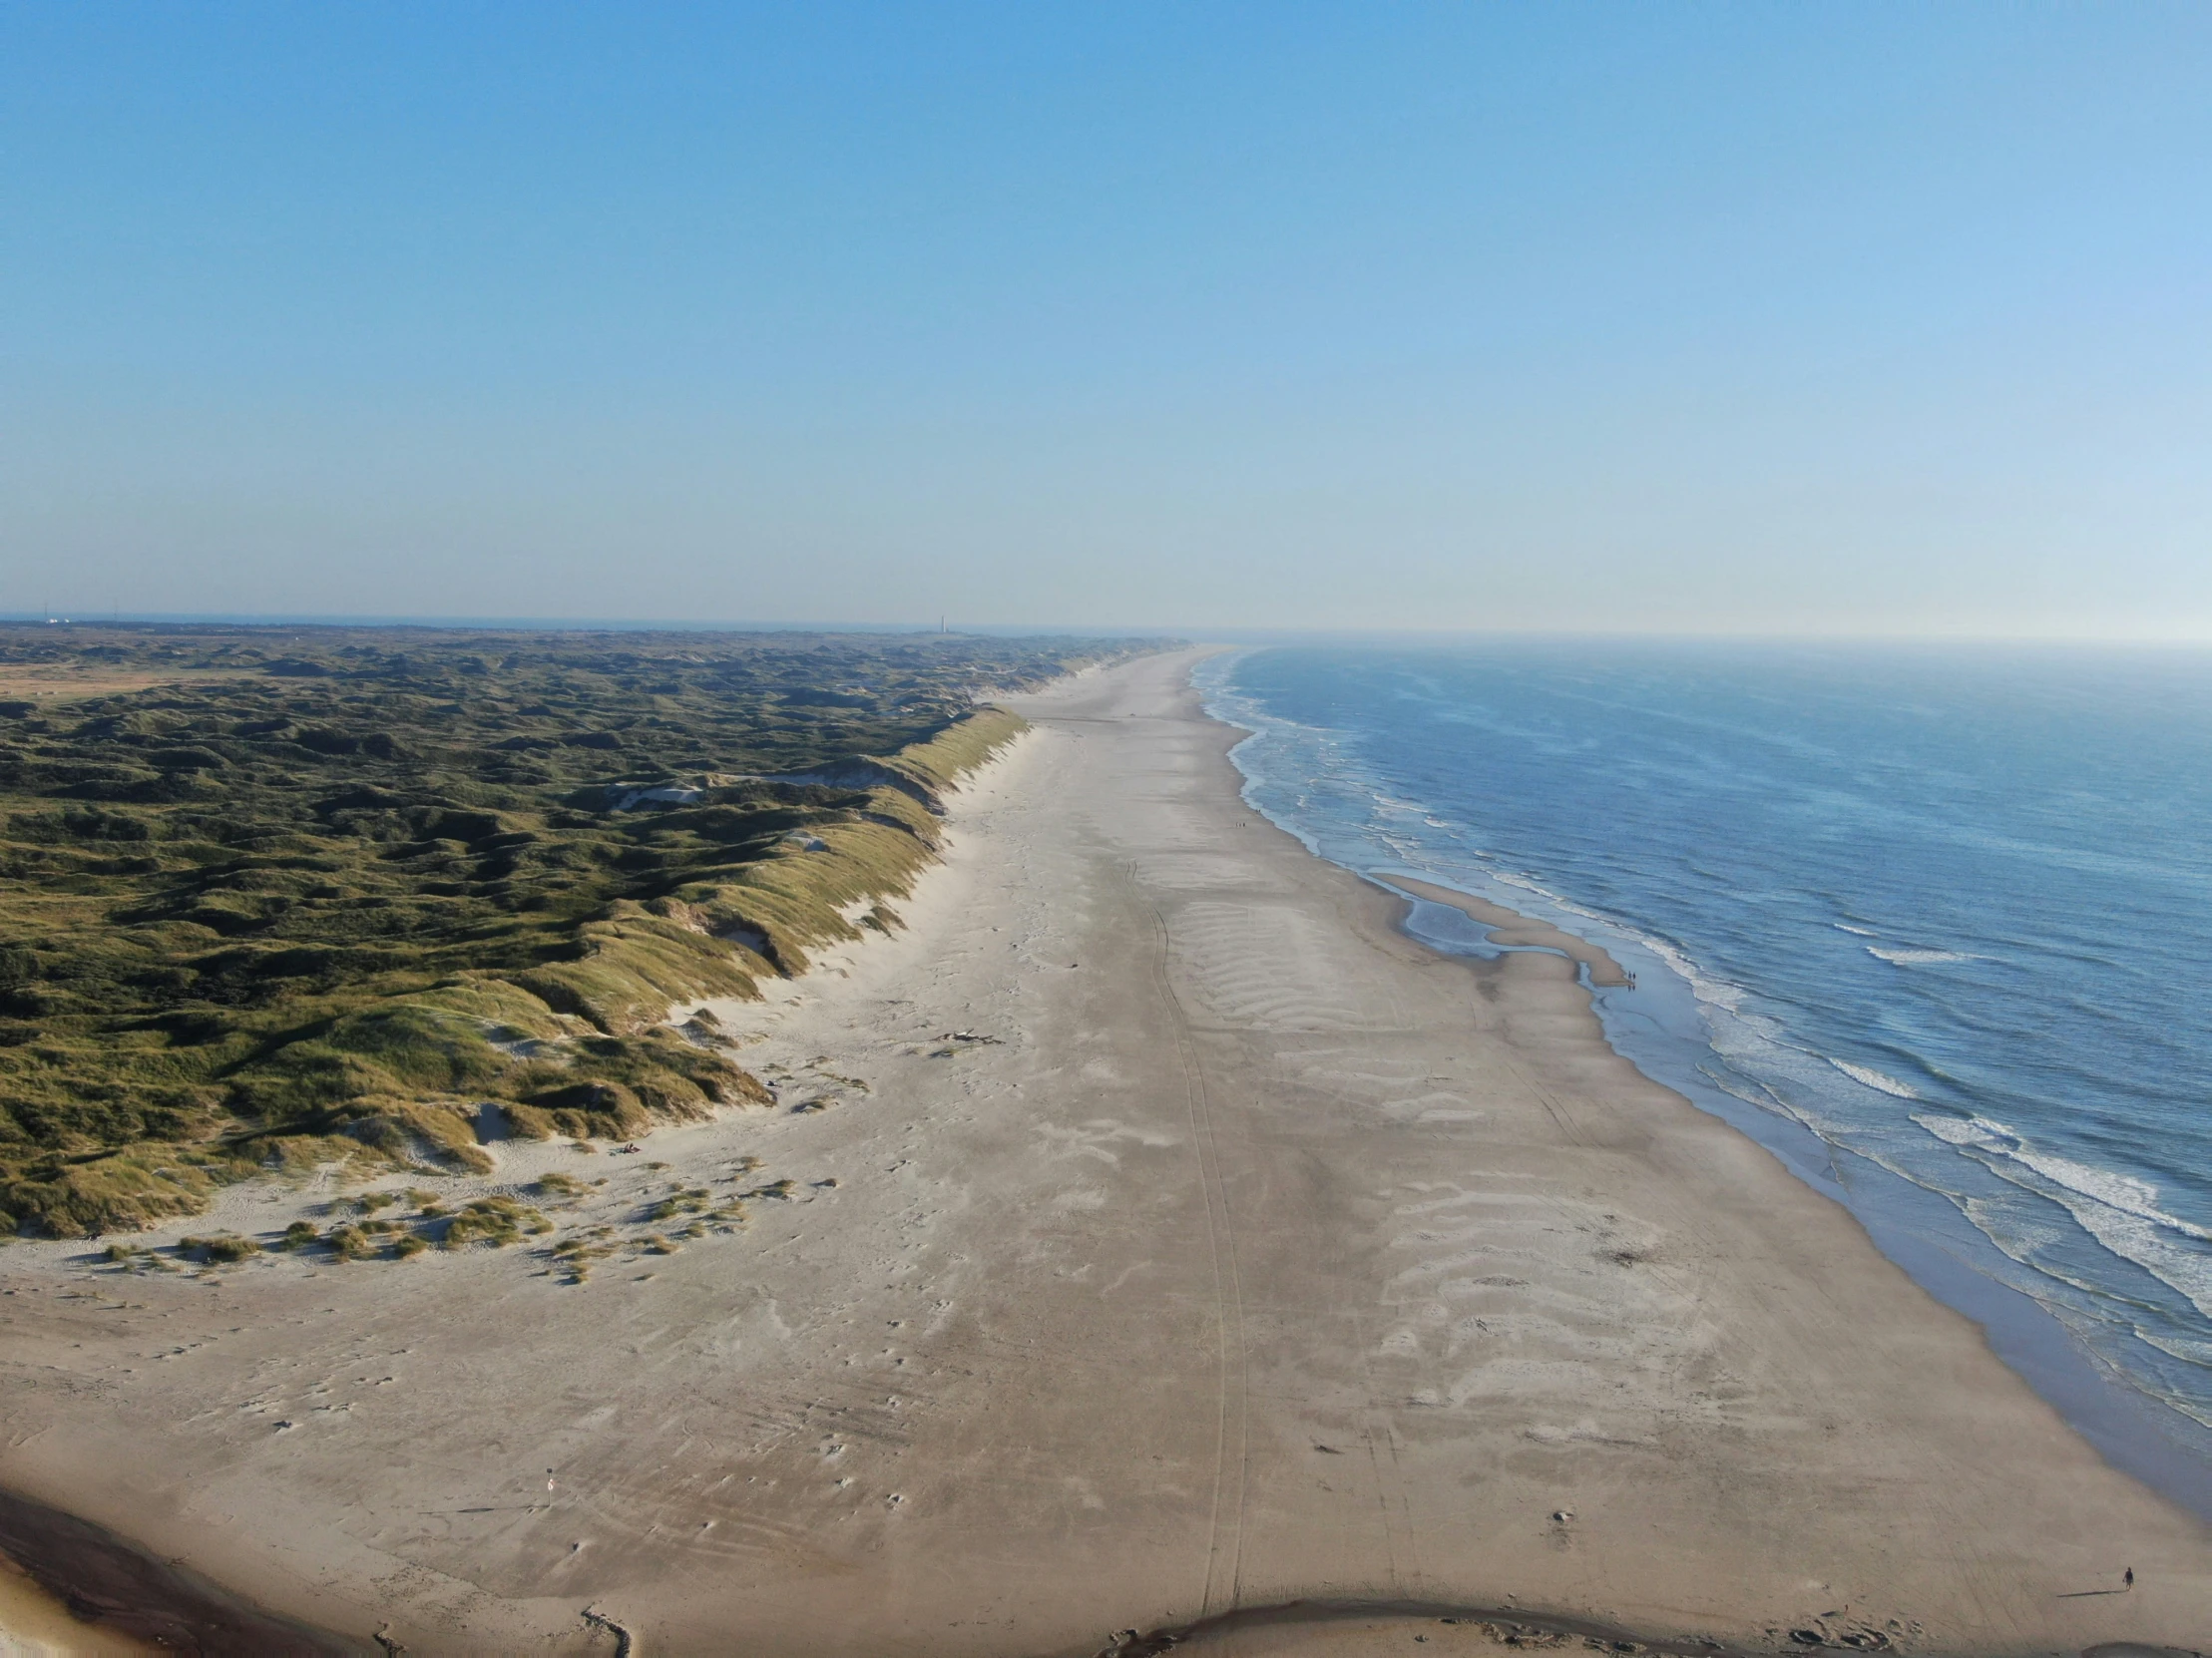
(1799, 317)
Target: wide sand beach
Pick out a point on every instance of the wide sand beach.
(1167, 1237)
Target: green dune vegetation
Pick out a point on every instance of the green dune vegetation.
(305, 895)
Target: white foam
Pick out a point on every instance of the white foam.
(1715, 993)
(2120, 1211)
(2126, 1193)
(2148, 1241)
(1970, 1131)
(1756, 1093)
(1863, 931)
(1874, 1078)
(1912, 957)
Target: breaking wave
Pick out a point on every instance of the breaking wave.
(1870, 1077)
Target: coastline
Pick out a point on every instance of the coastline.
(1262, 1255)
(1910, 1225)
(34, 1624)
(69, 1588)
(2009, 1131)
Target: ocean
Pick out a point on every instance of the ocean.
(1933, 923)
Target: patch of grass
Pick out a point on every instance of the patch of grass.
(575, 1255)
(223, 1249)
(80, 1193)
(691, 1202)
(493, 1220)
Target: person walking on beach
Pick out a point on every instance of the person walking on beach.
(2127, 1578)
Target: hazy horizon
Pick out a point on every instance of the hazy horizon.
(1227, 635)
(1828, 321)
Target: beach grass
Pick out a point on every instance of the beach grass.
(368, 898)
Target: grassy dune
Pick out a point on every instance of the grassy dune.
(338, 893)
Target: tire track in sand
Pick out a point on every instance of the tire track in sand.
(1225, 1530)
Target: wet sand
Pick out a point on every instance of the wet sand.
(34, 1623)
(68, 1587)
(1198, 1241)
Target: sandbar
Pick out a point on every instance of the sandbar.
(1510, 930)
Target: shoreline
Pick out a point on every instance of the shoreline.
(2136, 1432)
(1171, 1236)
(84, 1590)
(1912, 1224)
(36, 1624)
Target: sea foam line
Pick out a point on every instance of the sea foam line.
(1880, 1081)
(2120, 1211)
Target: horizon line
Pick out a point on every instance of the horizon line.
(1199, 634)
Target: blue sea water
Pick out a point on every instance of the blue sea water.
(1934, 923)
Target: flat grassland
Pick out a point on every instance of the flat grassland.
(73, 679)
(271, 897)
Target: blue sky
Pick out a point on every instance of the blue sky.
(1805, 319)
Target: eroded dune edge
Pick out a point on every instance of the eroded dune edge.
(1167, 1246)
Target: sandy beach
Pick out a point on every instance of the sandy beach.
(1166, 1236)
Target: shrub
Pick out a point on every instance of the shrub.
(689, 1202)
(493, 1220)
(221, 1250)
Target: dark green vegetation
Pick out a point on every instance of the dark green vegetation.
(366, 893)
